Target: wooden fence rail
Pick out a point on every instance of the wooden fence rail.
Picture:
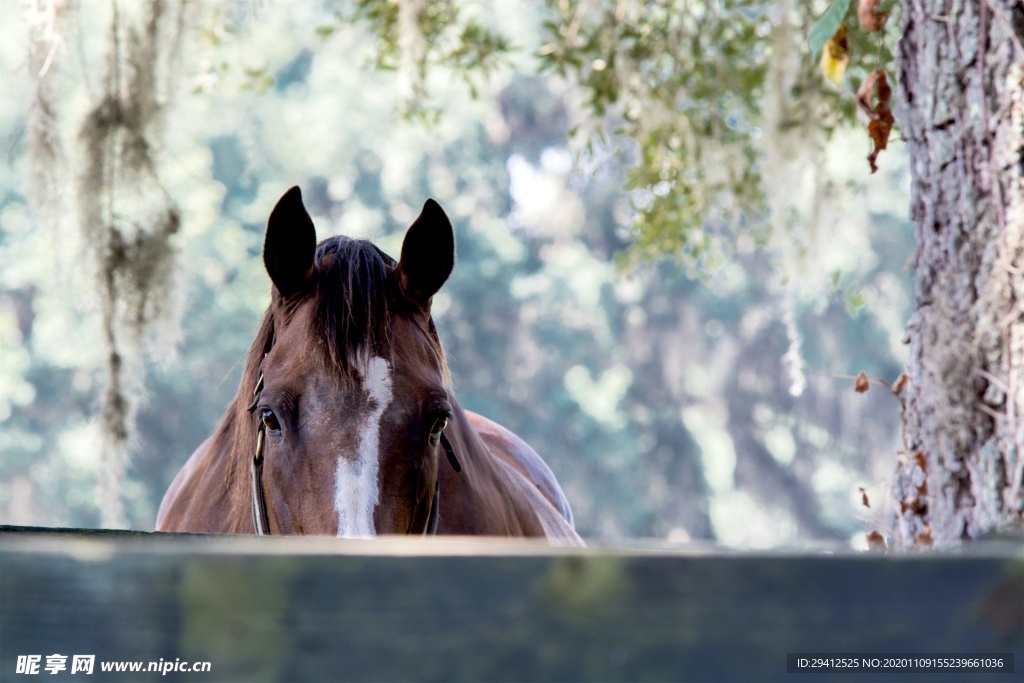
(315, 609)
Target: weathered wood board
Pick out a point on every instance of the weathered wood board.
(290, 609)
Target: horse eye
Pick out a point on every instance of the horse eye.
(270, 420)
(439, 426)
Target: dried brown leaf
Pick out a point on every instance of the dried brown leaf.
(871, 17)
(879, 131)
(866, 92)
(875, 88)
(900, 384)
(921, 461)
(863, 497)
(861, 384)
(876, 541)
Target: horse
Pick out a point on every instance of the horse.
(345, 422)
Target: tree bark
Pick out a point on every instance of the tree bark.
(961, 109)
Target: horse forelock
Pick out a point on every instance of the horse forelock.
(356, 301)
(353, 308)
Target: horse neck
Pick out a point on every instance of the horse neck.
(483, 491)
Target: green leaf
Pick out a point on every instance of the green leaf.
(855, 300)
(827, 26)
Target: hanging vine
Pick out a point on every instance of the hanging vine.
(126, 218)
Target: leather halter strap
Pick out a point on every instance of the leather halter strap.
(432, 519)
(260, 520)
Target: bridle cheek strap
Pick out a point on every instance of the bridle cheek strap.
(260, 521)
(436, 503)
(450, 452)
(432, 520)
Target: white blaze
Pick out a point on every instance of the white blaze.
(355, 481)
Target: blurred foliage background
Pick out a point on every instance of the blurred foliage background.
(668, 259)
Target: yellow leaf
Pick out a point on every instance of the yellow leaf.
(835, 57)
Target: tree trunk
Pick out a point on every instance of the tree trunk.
(961, 110)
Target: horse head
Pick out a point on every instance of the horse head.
(350, 386)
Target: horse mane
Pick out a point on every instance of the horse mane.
(355, 302)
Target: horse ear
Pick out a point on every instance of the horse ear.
(428, 254)
(290, 244)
